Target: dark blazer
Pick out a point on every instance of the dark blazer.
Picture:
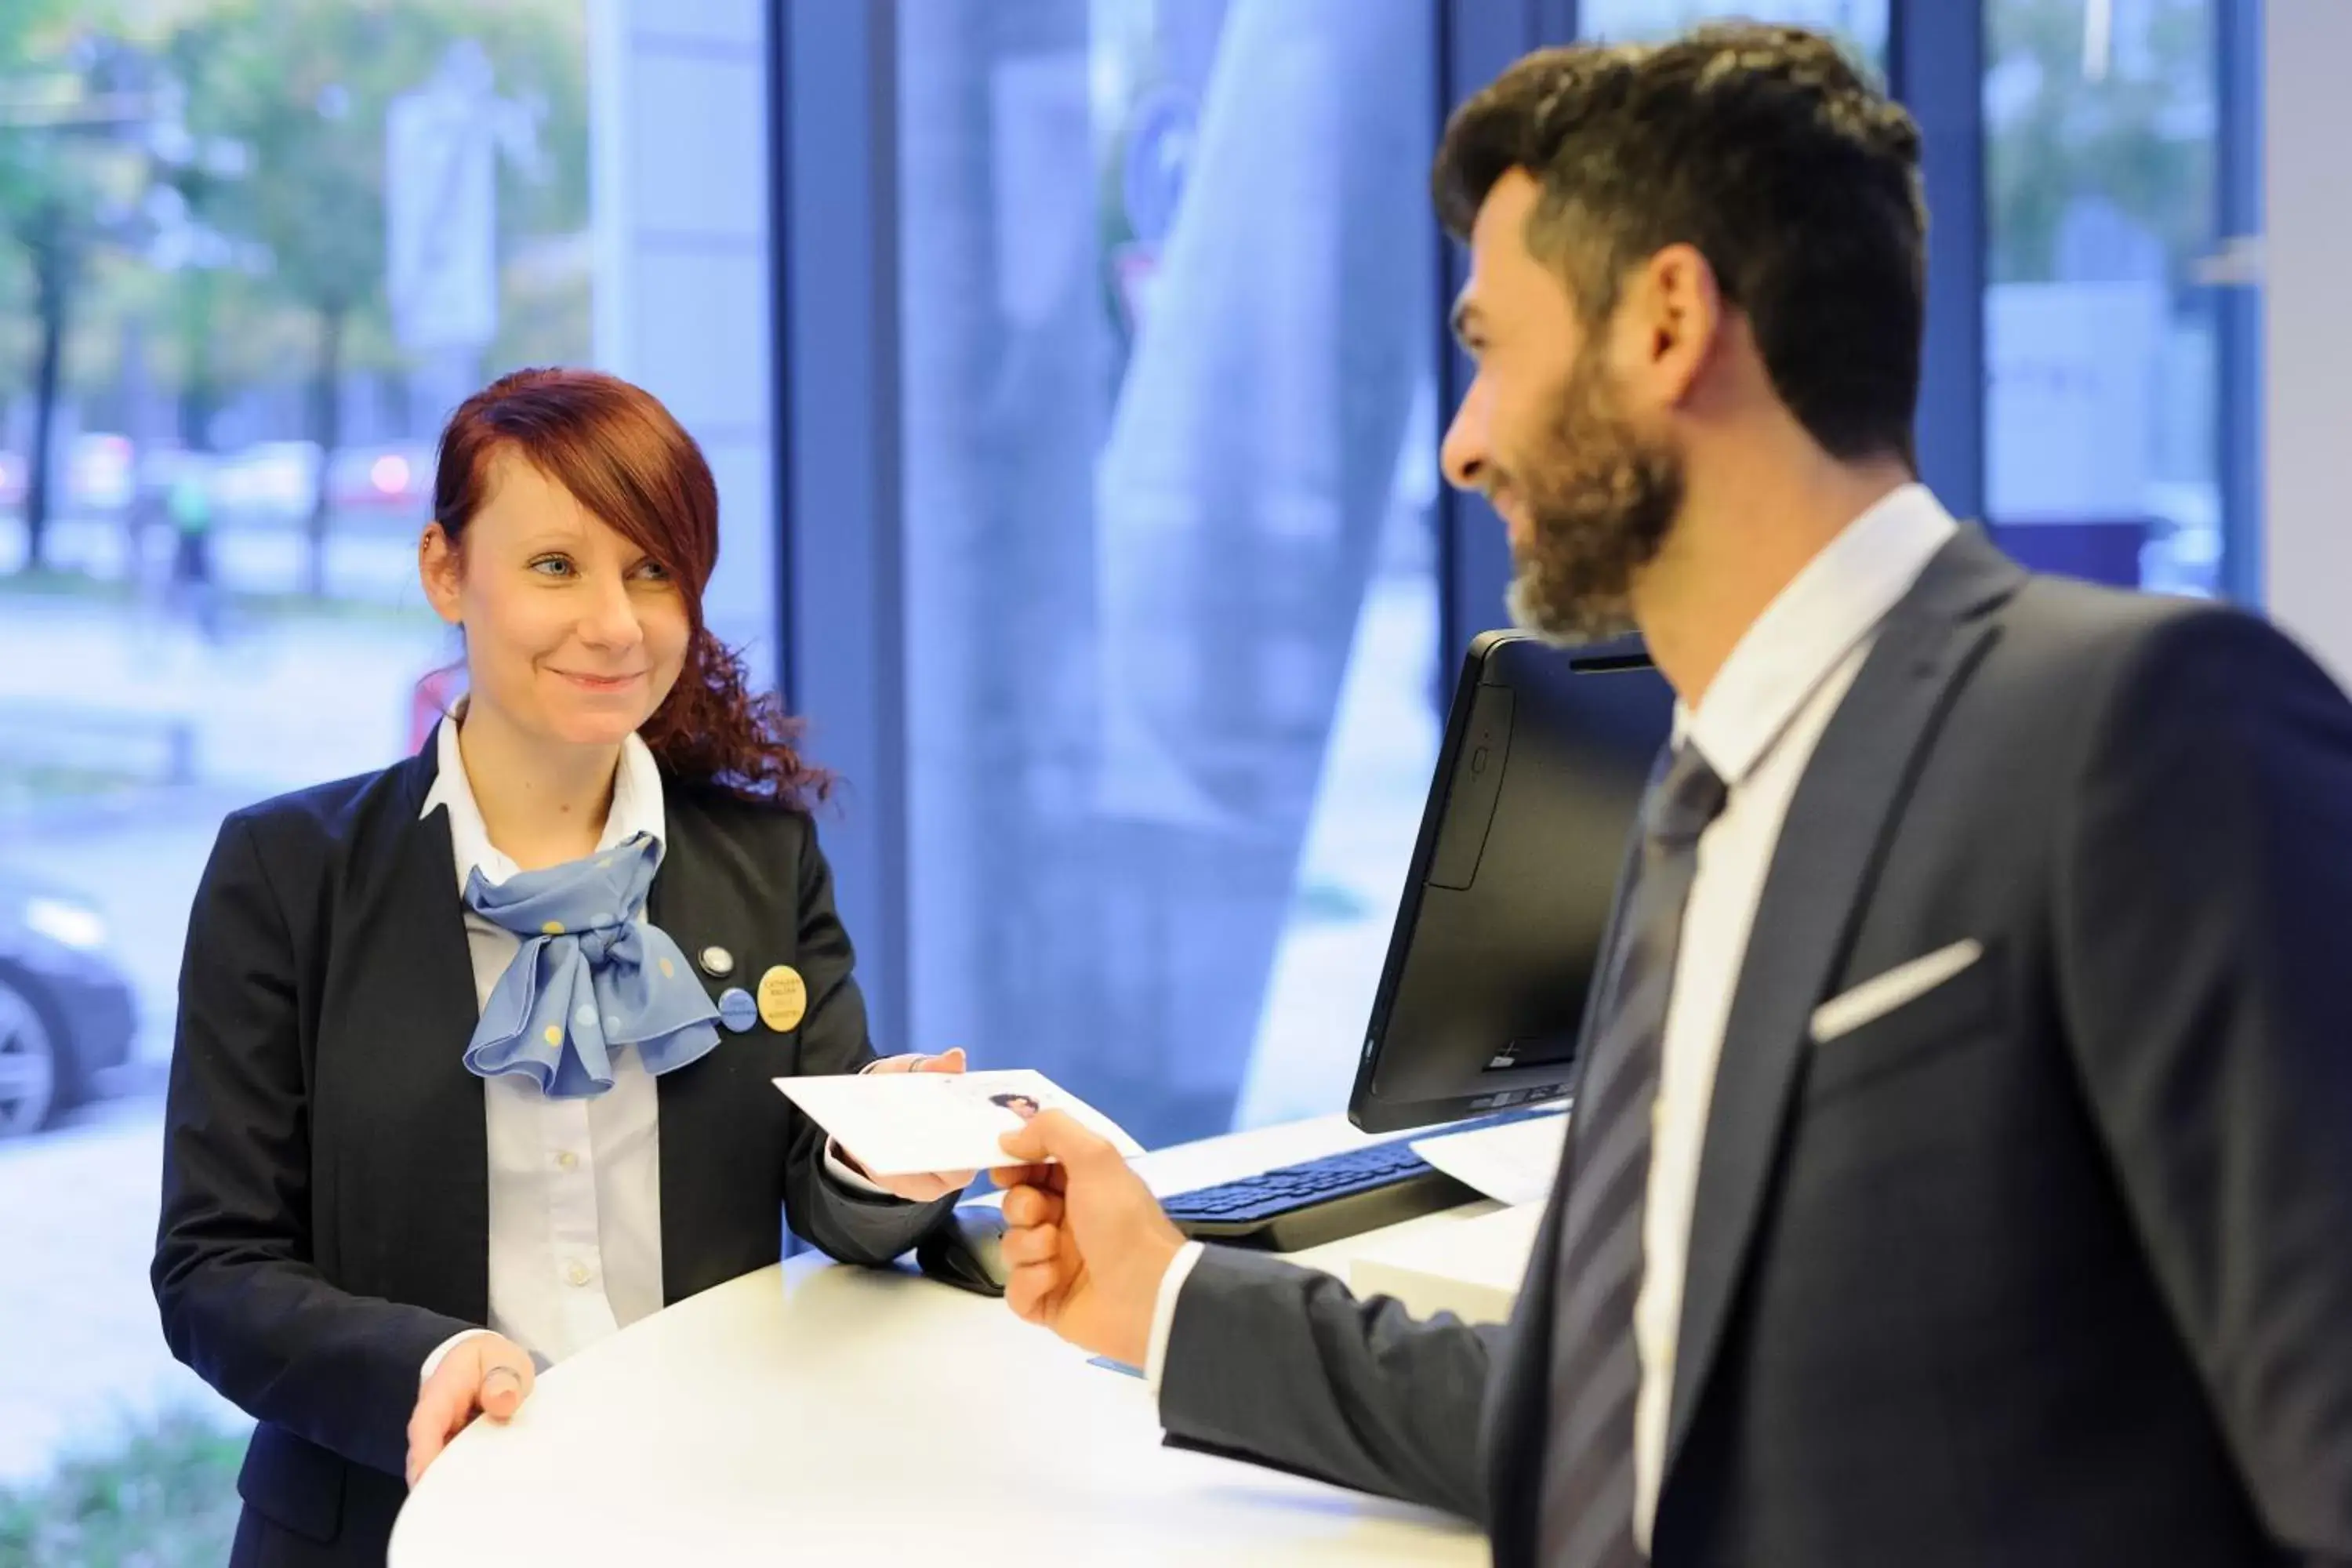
(2051, 1265)
(325, 1211)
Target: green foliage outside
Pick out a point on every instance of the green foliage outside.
(163, 1497)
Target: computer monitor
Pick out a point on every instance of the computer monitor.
(1498, 935)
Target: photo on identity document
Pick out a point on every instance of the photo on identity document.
(904, 1124)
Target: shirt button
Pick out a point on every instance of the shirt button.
(567, 1160)
(577, 1274)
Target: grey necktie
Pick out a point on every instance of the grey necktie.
(1587, 1519)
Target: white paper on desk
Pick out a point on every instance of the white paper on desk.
(1512, 1164)
(904, 1124)
(1470, 1267)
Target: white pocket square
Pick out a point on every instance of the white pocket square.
(1881, 994)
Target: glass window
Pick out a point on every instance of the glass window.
(251, 253)
(2106, 291)
(1168, 334)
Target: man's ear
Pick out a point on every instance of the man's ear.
(1672, 308)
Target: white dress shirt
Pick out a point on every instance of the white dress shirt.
(1756, 726)
(574, 1184)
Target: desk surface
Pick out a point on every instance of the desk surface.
(849, 1416)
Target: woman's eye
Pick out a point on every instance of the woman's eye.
(552, 566)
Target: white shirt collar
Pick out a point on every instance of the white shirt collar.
(1825, 613)
(636, 807)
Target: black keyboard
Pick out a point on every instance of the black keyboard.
(1343, 1194)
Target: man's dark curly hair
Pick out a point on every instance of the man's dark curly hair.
(1765, 149)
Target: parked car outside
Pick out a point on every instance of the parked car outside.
(66, 1009)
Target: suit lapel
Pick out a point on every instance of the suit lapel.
(690, 901)
(1820, 880)
(1518, 1388)
(413, 1012)
(1518, 1385)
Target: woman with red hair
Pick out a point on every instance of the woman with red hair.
(473, 1056)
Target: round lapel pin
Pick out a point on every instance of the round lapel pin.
(737, 1010)
(784, 998)
(716, 963)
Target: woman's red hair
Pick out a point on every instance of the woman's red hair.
(621, 455)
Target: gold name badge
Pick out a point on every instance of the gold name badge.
(784, 998)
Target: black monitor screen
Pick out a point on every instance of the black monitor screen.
(1498, 936)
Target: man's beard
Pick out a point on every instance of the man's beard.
(1601, 499)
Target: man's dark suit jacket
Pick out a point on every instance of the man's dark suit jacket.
(2050, 1265)
(326, 1214)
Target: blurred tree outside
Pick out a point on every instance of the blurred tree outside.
(306, 86)
(66, 187)
(192, 201)
(2073, 117)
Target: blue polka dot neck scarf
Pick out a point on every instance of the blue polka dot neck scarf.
(592, 977)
